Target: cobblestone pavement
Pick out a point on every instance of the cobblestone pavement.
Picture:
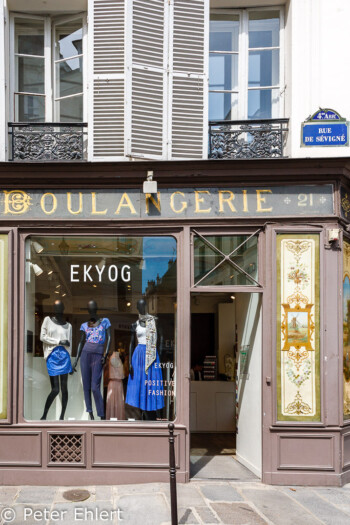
(210, 502)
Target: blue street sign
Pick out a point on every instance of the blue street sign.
(325, 128)
(325, 134)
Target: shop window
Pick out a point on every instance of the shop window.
(3, 325)
(47, 69)
(244, 64)
(84, 295)
(225, 260)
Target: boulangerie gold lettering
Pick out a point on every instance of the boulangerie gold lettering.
(94, 211)
(156, 203)
(125, 202)
(200, 200)
(172, 202)
(43, 203)
(69, 204)
(245, 201)
(261, 200)
(228, 200)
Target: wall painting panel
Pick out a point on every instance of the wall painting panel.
(298, 320)
(346, 329)
(3, 325)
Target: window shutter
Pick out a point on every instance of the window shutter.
(147, 101)
(188, 114)
(108, 36)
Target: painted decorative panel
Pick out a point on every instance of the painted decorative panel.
(298, 347)
(346, 328)
(3, 326)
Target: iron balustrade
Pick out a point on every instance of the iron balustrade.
(49, 141)
(247, 139)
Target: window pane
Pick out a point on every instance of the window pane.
(206, 257)
(264, 68)
(69, 77)
(263, 103)
(29, 36)
(116, 273)
(29, 108)
(223, 71)
(224, 32)
(223, 106)
(69, 39)
(264, 28)
(70, 109)
(30, 76)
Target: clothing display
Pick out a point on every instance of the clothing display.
(58, 362)
(52, 333)
(96, 334)
(91, 373)
(115, 394)
(148, 335)
(91, 365)
(145, 387)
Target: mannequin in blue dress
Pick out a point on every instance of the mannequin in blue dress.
(144, 395)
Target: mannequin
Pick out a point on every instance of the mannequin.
(115, 393)
(145, 383)
(56, 334)
(94, 334)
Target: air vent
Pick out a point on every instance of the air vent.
(66, 448)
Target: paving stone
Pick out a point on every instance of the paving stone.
(277, 506)
(238, 513)
(323, 510)
(186, 516)
(143, 509)
(28, 514)
(42, 495)
(206, 515)
(336, 496)
(144, 488)
(8, 494)
(85, 512)
(103, 492)
(188, 495)
(220, 493)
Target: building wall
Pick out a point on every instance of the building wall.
(316, 54)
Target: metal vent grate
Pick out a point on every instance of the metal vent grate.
(66, 448)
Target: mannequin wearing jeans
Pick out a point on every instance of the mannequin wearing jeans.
(94, 335)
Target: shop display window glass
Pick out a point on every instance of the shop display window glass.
(87, 295)
(225, 260)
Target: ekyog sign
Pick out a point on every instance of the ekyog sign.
(325, 128)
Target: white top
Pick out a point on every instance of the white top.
(141, 333)
(52, 333)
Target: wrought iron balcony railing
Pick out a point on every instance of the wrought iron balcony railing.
(247, 139)
(49, 141)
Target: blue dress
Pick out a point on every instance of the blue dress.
(145, 391)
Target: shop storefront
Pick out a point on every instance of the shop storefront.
(219, 301)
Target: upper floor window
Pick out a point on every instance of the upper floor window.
(244, 64)
(47, 80)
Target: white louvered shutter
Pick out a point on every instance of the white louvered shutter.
(188, 114)
(108, 78)
(147, 76)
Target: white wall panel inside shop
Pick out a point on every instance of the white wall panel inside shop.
(248, 440)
